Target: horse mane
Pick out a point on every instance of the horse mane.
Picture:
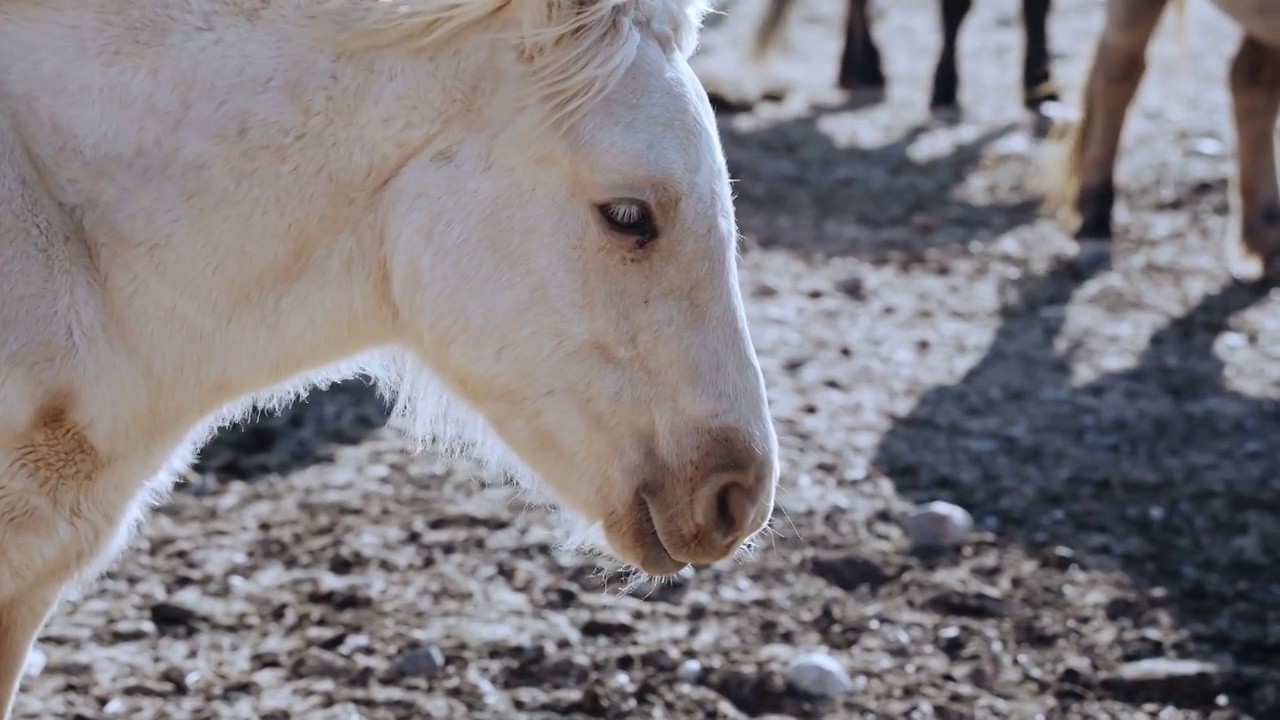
(576, 49)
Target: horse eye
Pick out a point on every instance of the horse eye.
(630, 217)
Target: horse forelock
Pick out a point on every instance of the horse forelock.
(576, 50)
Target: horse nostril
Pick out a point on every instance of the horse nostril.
(726, 521)
(733, 506)
(732, 487)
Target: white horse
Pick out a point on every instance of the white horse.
(518, 205)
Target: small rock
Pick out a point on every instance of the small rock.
(1076, 670)
(854, 287)
(34, 663)
(1058, 557)
(764, 290)
(689, 670)
(1234, 339)
(423, 662)
(662, 660)
(967, 604)
(607, 627)
(951, 640)
(818, 674)
(1208, 146)
(1163, 679)
(939, 524)
(164, 613)
(130, 630)
(851, 572)
(316, 663)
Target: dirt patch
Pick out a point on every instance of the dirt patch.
(1114, 429)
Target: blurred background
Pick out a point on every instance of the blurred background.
(1106, 440)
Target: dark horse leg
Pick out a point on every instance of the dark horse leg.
(946, 79)
(1037, 78)
(860, 63)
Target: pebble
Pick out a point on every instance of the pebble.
(1209, 146)
(1162, 679)
(818, 674)
(424, 662)
(689, 670)
(854, 287)
(1160, 668)
(939, 524)
(34, 663)
(166, 613)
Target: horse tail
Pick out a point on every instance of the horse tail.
(1180, 7)
(1063, 167)
(775, 16)
(1180, 10)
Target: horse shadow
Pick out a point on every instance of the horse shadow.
(799, 190)
(1160, 471)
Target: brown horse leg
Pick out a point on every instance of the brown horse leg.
(1037, 78)
(1118, 66)
(860, 63)
(946, 79)
(1254, 241)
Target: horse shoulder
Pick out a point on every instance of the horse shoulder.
(58, 514)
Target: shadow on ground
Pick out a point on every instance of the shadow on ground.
(1159, 471)
(801, 190)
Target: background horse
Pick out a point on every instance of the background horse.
(515, 209)
(860, 59)
(1084, 183)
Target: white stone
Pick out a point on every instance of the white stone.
(689, 671)
(818, 674)
(34, 663)
(939, 524)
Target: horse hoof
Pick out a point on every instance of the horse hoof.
(1253, 249)
(1092, 255)
(864, 82)
(1094, 203)
(1093, 229)
(943, 100)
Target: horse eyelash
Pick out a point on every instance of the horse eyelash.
(626, 213)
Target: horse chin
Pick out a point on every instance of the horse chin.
(633, 537)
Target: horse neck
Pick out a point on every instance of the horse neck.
(231, 200)
(389, 111)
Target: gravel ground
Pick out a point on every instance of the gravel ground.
(1113, 428)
